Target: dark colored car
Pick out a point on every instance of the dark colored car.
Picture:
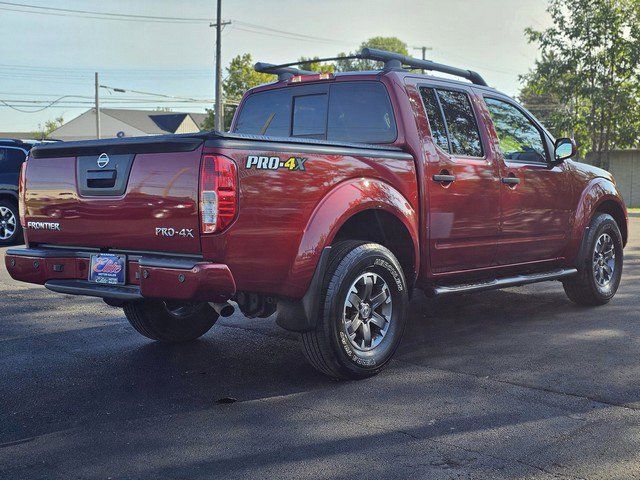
(332, 198)
(13, 153)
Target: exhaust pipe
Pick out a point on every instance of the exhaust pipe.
(223, 309)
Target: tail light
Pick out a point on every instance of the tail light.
(218, 193)
(22, 207)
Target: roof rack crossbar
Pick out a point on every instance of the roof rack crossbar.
(283, 72)
(394, 61)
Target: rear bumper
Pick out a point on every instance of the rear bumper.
(148, 275)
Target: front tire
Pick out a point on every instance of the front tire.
(362, 314)
(10, 228)
(600, 267)
(172, 322)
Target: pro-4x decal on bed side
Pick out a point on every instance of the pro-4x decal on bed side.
(274, 163)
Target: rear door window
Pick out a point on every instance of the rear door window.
(436, 120)
(450, 113)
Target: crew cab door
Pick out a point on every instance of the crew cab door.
(536, 198)
(462, 183)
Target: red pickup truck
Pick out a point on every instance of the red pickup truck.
(330, 200)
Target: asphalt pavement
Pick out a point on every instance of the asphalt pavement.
(518, 383)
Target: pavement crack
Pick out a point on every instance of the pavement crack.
(412, 436)
(489, 378)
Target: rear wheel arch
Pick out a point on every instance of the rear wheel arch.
(386, 229)
(345, 208)
(344, 202)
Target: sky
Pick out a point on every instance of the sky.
(48, 54)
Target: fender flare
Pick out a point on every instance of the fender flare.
(597, 191)
(307, 271)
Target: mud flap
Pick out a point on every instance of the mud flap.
(302, 315)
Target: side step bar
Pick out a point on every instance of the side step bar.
(503, 282)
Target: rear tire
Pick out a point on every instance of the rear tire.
(600, 267)
(171, 322)
(10, 227)
(362, 314)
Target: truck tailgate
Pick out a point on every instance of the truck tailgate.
(127, 201)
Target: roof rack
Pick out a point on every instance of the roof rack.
(395, 61)
(392, 61)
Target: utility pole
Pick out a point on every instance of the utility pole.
(424, 52)
(97, 107)
(218, 108)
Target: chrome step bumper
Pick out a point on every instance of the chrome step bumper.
(504, 282)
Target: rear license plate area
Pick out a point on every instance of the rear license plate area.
(108, 269)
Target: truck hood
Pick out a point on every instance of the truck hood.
(591, 172)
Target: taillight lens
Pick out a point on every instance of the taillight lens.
(218, 193)
(22, 207)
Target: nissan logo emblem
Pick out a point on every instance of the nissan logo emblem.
(103, 160)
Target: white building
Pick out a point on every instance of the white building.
(128, 123)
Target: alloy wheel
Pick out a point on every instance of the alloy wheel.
(7, 223)
(604, 260)
(367, 311)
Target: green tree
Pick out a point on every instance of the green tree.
(240, 77)
(314, 66)
(391, 44)
(586, 82)
(49, 126)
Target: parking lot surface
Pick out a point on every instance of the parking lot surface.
(517, 383)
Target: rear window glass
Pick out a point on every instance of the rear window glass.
(266, 113)
(358, 112)
(434, 114)
(310, 116)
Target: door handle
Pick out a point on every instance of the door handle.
(442, 178)
(510, 180)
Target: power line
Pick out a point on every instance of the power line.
(264, 29)
(123, 90)
(248, 27)
(50, 104)
(131, 15)
(94, 15)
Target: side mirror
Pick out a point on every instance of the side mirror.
(564, 148)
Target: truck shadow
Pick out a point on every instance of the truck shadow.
(69, 361)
